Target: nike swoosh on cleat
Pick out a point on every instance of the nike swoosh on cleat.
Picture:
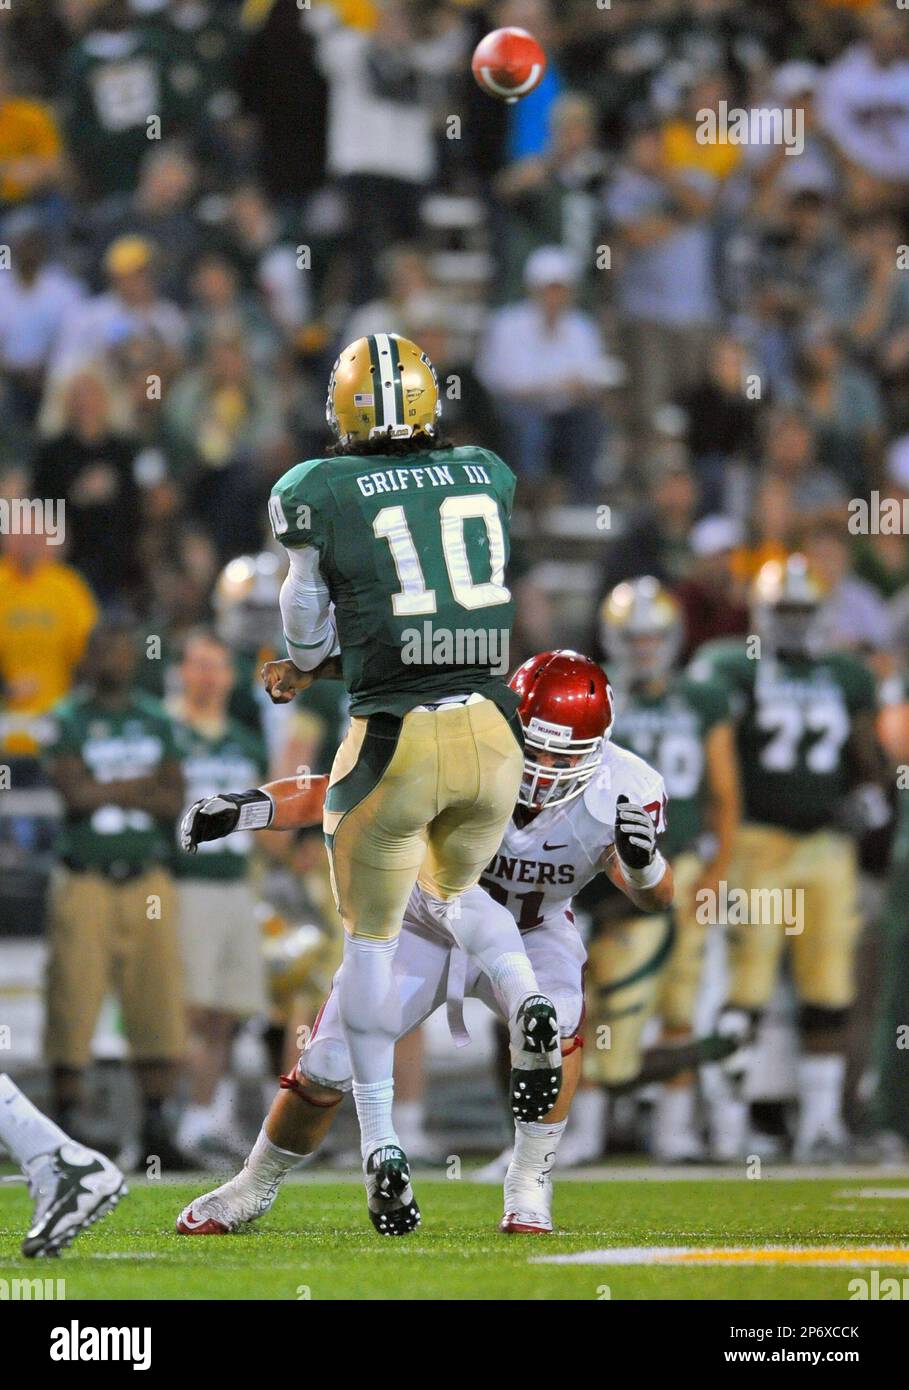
(190, 1225)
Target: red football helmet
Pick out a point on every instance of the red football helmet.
(566, 712)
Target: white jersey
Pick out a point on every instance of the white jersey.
(540, 866)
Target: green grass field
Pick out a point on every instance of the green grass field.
(317, 1242)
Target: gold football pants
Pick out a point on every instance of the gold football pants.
(421, 799)
(638, 968)
(818, 874)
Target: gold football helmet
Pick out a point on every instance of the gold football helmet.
(641, 630)
(786, 606)
(382, 386)
(245, 603)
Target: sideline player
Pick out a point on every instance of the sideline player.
(645, 966)
(813, 775)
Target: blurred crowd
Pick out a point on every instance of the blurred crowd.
(201, 201)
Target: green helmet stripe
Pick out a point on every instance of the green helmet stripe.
(387, 381)
(399, 385)
(378, 396)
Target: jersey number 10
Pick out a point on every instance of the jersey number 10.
(414, 597)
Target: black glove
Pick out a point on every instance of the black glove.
(213, 817)
(635, 834)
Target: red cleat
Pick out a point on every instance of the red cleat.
(188, 1224)
(525, 1223)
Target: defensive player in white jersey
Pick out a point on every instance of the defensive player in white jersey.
(585, 806)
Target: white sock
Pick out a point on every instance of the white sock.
(673, 1121)
(820, 1088)
(589, 1111)
(196, 1122)
(223, 1105)
(728, 1112)
(409, 1122)
(267, 1165)
(24, 1131)
(512, 979)
(528, 1185)
(373, 1100)
(370, 1009)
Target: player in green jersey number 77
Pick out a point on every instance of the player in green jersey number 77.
(398, 544)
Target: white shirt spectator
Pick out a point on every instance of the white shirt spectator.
(865, 109)
(671, 281)
(522, 355)
(285, 290)
(99, 325)
(369, 133)
(31, 315)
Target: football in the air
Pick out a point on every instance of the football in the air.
(508, 64)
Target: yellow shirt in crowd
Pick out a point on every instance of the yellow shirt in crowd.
(46, 615)
(27, 131)
(358, 14)
(683, 150)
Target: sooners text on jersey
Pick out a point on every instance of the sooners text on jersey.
(539, 866)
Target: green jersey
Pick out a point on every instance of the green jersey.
(413, 551)
(793, 720)
(231, 761)
(669, 731)
(115, 746)
(113, 85)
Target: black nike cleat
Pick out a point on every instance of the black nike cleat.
(389, 1196)
(536, 1059)
(72, 1189)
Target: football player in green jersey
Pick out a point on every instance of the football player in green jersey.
(116, 765)
(811, 769)
(645, 965)
(398, 544)
(220, 935)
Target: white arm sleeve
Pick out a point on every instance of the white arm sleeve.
(307, 611)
